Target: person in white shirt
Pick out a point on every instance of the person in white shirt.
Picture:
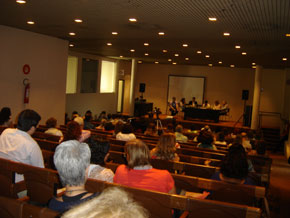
(51, 125)
(216, 106)
(18, 145)
(126, 134)
(206, 105)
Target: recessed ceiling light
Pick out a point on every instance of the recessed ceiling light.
(254, 67)
(169, 59)
(78, 20)
(212, 19)
(284, 59)
(146, 54)
(114, 33)
(146, 44)
(253, 63)
(198, 52)
(161, 33)
(139, 62)
(174, 63)
(185, 45)
(220, 62)
(237, 46)
(227, 34)
(71, 45)
(109, 44)
(287, 34)
(207, 56)
(72, 34)
(132, 19)
(156, 62)
(210, 65)
(164, 50)
(244, 53)
(121, 56)
(132, 50)
(30, 22)
(232, 65)
(176, 55)
(186, 59)
(21, 1)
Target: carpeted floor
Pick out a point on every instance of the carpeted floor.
(279, 191)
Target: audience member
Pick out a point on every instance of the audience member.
(74, 115)
(151, 130)
(170, 128)
(72, 160)
(99, 155)
(51, 125)
(103, 115)
(5, 117)
(126, 134)
(109, 127)
(87, 120)
(165, 148)
(179, 134)
(85, 133)
(102, 124)
(246, 142)
(139, 173)
(73, 131)
(18, 145)
(205, 140)
(234, 167)
(111, 203)
(220, 139)
(118, 127)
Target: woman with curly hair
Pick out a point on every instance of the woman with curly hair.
(165, 148)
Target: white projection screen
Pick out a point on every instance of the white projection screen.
(186, 87)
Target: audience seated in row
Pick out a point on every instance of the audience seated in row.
(5, 117)
(205, 140)
(165, 148)
(179, 134)
(126, 134)
(51, 125)
(111, 203)
(139, 173)
(72, 161)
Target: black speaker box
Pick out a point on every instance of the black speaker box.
(245, 94)
(248, 115)
(142, 87)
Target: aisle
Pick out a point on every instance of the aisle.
(279, 198)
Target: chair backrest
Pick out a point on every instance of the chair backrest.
(12, 208)
(8, 186)
(48, 159)
(161, 204)
(46, 144)
(42, 135)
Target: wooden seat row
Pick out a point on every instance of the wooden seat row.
(43, 183)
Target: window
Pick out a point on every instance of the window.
(108, 77)
(71, 76)
(89, 75)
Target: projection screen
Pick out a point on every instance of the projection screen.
(186, 87)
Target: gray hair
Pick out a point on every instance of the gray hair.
(113, 202)
(71, 159)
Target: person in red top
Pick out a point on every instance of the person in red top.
(139, 173)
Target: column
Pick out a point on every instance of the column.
(256, 98)
(132, 86)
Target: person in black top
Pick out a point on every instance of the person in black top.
(72, 160)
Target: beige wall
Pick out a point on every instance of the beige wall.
(47, 57)
(96, 102)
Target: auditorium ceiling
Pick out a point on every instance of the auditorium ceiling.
(258, 28)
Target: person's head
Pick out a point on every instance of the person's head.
(80, 121)
(151, 127)
(193, 99)
(137, 153)
(205, 101)
(216, 102)
(224, 102)
(235, 164)
(51, 122)
(220, 137)
(113, 202)
(183, 100)
(71, 159)
(127, 128)
(74, 114)
(238, 139)
(173, 99)
(170, 127)
(118, 127)
(5, 114)
(99, 149)
(88, 116)
(166, 146)
(108, 126)
(73, 131)
(205, 137)
(179, 129)
(28, 119)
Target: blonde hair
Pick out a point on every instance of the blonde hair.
(138, 153)
(112, 203)
(166, 146)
